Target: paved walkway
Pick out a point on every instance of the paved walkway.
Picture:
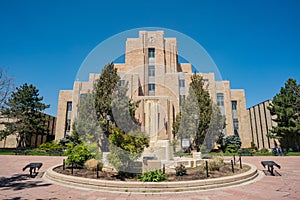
(15, 184)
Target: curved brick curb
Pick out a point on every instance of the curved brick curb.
(148, 187)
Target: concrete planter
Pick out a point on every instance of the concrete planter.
(149, 187)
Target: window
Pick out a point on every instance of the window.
(122, 82)
(181, 99)
(69, 106)
(151, 87)
(68, 125)
(234, 105)
(151, 71)
(236, 126)
(82, 95)
(68, 117)
(151, 52)
(220, 99)
(181, 83)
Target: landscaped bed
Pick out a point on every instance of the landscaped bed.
(192, 173)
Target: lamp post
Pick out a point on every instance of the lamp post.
(196, 117)
(107, 132)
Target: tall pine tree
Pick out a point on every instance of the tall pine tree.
(194, 118)
(23, 116)
(104, 88)
(286, 109)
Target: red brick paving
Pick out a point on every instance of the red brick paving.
(15, 184)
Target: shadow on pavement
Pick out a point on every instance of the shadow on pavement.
(20, 182)
(267, 173)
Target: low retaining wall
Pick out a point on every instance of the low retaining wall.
(150, 187)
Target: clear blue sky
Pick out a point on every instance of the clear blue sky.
(255, 44)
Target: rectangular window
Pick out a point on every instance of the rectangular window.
(68, 118)
(122, 82)
(151, 53)
(68, 125)
(220, 99)
(69, 106)
(181, 83)
(234, 105)
(151, 71)
(236, 126)
(151, 89)
(181, 99)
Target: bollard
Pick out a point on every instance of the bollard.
(97, 171)
(72, 166)
(206, 166)
(233, 158)
(164, 168)
(64, 164)
(241, 166)
(232, 166)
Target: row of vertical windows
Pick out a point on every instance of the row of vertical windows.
(68, 117)
(151, 72)
(235, 118)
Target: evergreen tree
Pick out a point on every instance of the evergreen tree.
(104, 88)
(286, 107)
(215, 132)
(195, 113)
(123, 110)
(86, 123)
(24, 113)
(204, 105)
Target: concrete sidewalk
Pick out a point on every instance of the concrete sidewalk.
(15, 184)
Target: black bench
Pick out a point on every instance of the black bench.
(33, 167)
(270, 165)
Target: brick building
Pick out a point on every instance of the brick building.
(156, 77)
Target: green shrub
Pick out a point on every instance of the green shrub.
(232, 143)
(180, 170)
(77, 154)
(152, 176)
(215, 164)
(48, 146)
(264, 150)
(230, 148)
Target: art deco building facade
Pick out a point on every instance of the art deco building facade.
(155, 77)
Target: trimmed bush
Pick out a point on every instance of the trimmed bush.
(264, 150)
(152, 176)
(180, 170)
(215, 164)
(48, 146)
(77, 154)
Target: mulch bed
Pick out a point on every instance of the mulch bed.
(192, 174)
